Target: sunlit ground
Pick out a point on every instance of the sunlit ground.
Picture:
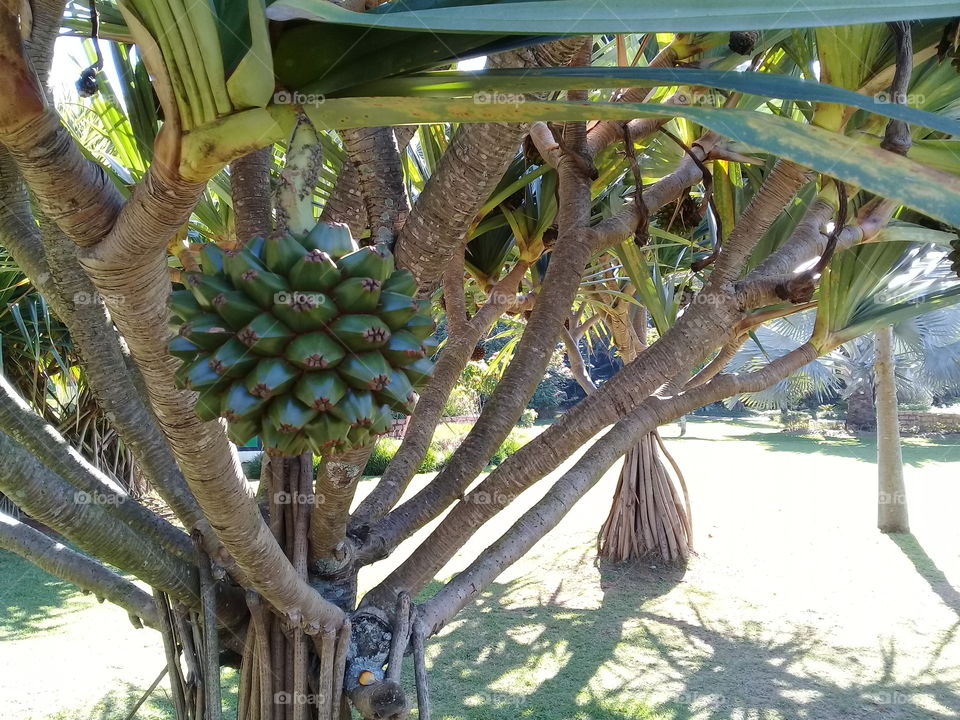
(795, 607)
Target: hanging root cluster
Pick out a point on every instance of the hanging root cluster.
(285, 673)
(649, 520)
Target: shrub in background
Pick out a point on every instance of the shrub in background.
(251, 468)
(527, 418)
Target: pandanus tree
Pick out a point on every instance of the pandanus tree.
(268, 581)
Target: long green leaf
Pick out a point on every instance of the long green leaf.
(575, 17)
(503, 85)
(884, 173)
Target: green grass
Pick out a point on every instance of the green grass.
(795, 607)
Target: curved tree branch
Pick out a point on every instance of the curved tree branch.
(30, 430)
(66, 564)
(85, 520)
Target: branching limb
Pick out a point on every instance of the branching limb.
(577, 366)
(717, 364)
(500, 412)
(420, 667)
(453, 297)
(66, 564)
(50, 499)
(345, 204)
(469, 171)
(778, 189)
(399, 638)
(250, 191)
(336, 484)
(454, 357)
(622, 225)
(19, 420)
(376, 157)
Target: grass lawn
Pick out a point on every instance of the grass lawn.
(795, 607)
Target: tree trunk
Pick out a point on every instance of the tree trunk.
(892, 498)
(861, 413)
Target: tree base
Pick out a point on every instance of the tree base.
(648, 520)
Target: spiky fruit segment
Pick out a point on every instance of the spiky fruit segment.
(356, 409)
(332, 238)
(419, 372)
(181, 347)
(262, 287)
(382, 420)
(232, 359)
(265, 335)
(314, 271)
(206, 287)
(279, 443)
(315, 351)
(373, 261)
(208, 332)
(304, 311)
(403, 348)
(184, 305)
(402, 282)
(235, 308)
(327, 432)
(360, 332)
(209, 403)
(289, 415)
(420, 325)
(366, 371)
(211, 258)
(399, 393)
(320, 390)
(243, 431)
(281, 252)
(271, 377)
(255, 245)
(238, 404)
(238, 261)
(359, 437)
(200, 375)
(311, 343)
(358, 295)
(396, 309)
(430, 346)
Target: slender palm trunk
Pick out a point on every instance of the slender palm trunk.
(892, 498)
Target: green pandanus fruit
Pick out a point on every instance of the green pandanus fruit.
(309, 342)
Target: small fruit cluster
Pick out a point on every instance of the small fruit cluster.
(309, 342)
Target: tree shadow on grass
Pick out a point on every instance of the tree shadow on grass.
(545, 661)
(493, 662)
(119, 702)
(927, 569)
(32, 600)
(863, 448)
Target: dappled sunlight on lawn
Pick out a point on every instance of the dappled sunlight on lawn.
(794, 606)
